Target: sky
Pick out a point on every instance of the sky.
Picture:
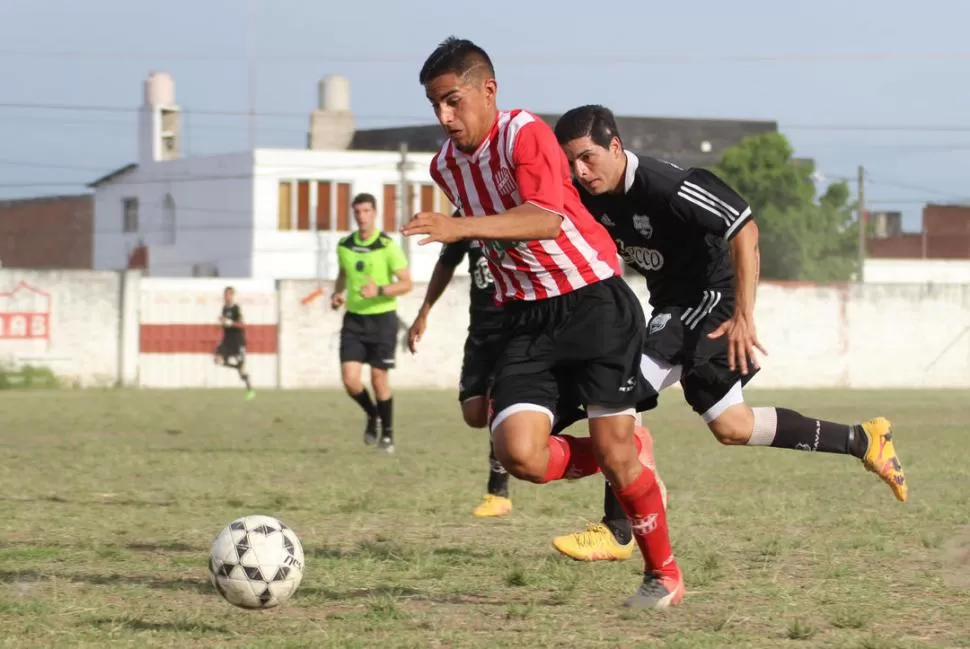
(883, 84)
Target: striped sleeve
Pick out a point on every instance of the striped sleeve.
(705, 200)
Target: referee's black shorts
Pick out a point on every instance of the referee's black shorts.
(590, 338)
(369, 339)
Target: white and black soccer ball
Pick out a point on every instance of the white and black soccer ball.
(256, 562)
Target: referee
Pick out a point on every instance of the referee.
(374, 272)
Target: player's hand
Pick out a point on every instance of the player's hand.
(369, 289)
(742, 341)
(415, 333)
(438, 227)
(337, 301)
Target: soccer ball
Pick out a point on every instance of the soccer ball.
(256, 562)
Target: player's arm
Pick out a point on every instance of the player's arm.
(337, 299)
(707, 202)
(237, 321)
(398, 265)
(746, 259)
(444, 269)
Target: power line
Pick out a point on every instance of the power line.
(410, 58)
(428, 121)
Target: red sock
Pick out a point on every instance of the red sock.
(644, 506)
(570, 458)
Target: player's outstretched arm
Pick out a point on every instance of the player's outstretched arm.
(440, 278)
(526, 222)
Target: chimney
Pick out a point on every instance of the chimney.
(332, 124)
(159, 121)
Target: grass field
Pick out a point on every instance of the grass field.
(110, 500)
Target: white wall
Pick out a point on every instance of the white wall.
(917, 271)
(213, 198)
(817, 336)
(84, 338)
(869, 336)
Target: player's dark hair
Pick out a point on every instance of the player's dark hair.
(227, 289)
(360, 199)
(456, 56)
(593, 121)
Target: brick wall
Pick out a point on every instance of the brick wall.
(49, 232)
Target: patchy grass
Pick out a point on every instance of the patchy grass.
(110, 500)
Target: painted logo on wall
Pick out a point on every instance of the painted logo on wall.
(25, 313)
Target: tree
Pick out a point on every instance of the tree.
(803, 237)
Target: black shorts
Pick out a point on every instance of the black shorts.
(482, 349)
(590, 338)
(369, 339)
(678, 336)
(231, 349)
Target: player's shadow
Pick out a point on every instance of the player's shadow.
(145, 581)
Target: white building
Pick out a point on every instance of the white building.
(265, 213)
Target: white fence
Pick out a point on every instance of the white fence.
(108, 328)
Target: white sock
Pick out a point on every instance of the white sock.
(765, 426)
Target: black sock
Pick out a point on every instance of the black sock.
(363, 400)
(245, 378)
(797, 431)
(386, 412)
(498, 477)
(615, 518)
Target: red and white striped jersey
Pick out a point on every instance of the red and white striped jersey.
(520, 162)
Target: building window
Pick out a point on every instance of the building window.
(390, 208)
(427, 198)
(324, 208)
(285, 211)
(343, 207)
(303, 205)
(129, 207)
(168, 220)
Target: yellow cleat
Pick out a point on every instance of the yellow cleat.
(597, 543)
(493, 506)
(881, 457)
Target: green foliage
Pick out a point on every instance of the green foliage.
(803, 236)
(27, 377)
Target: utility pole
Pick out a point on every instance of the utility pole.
(862, 223)
(404, 198)
(251, 73)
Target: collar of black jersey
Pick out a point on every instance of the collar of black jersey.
(632, 162)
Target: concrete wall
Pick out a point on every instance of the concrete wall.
(917, 271)
(100, 328)
(69, 321)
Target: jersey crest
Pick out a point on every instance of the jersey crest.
(641, 223)
(506, 185)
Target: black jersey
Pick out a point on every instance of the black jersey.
(673, 226)
(232, 314)
(483, 313)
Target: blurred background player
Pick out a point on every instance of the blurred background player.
(374, 271)
(695, 241)
(231, 351)
(482, 348)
